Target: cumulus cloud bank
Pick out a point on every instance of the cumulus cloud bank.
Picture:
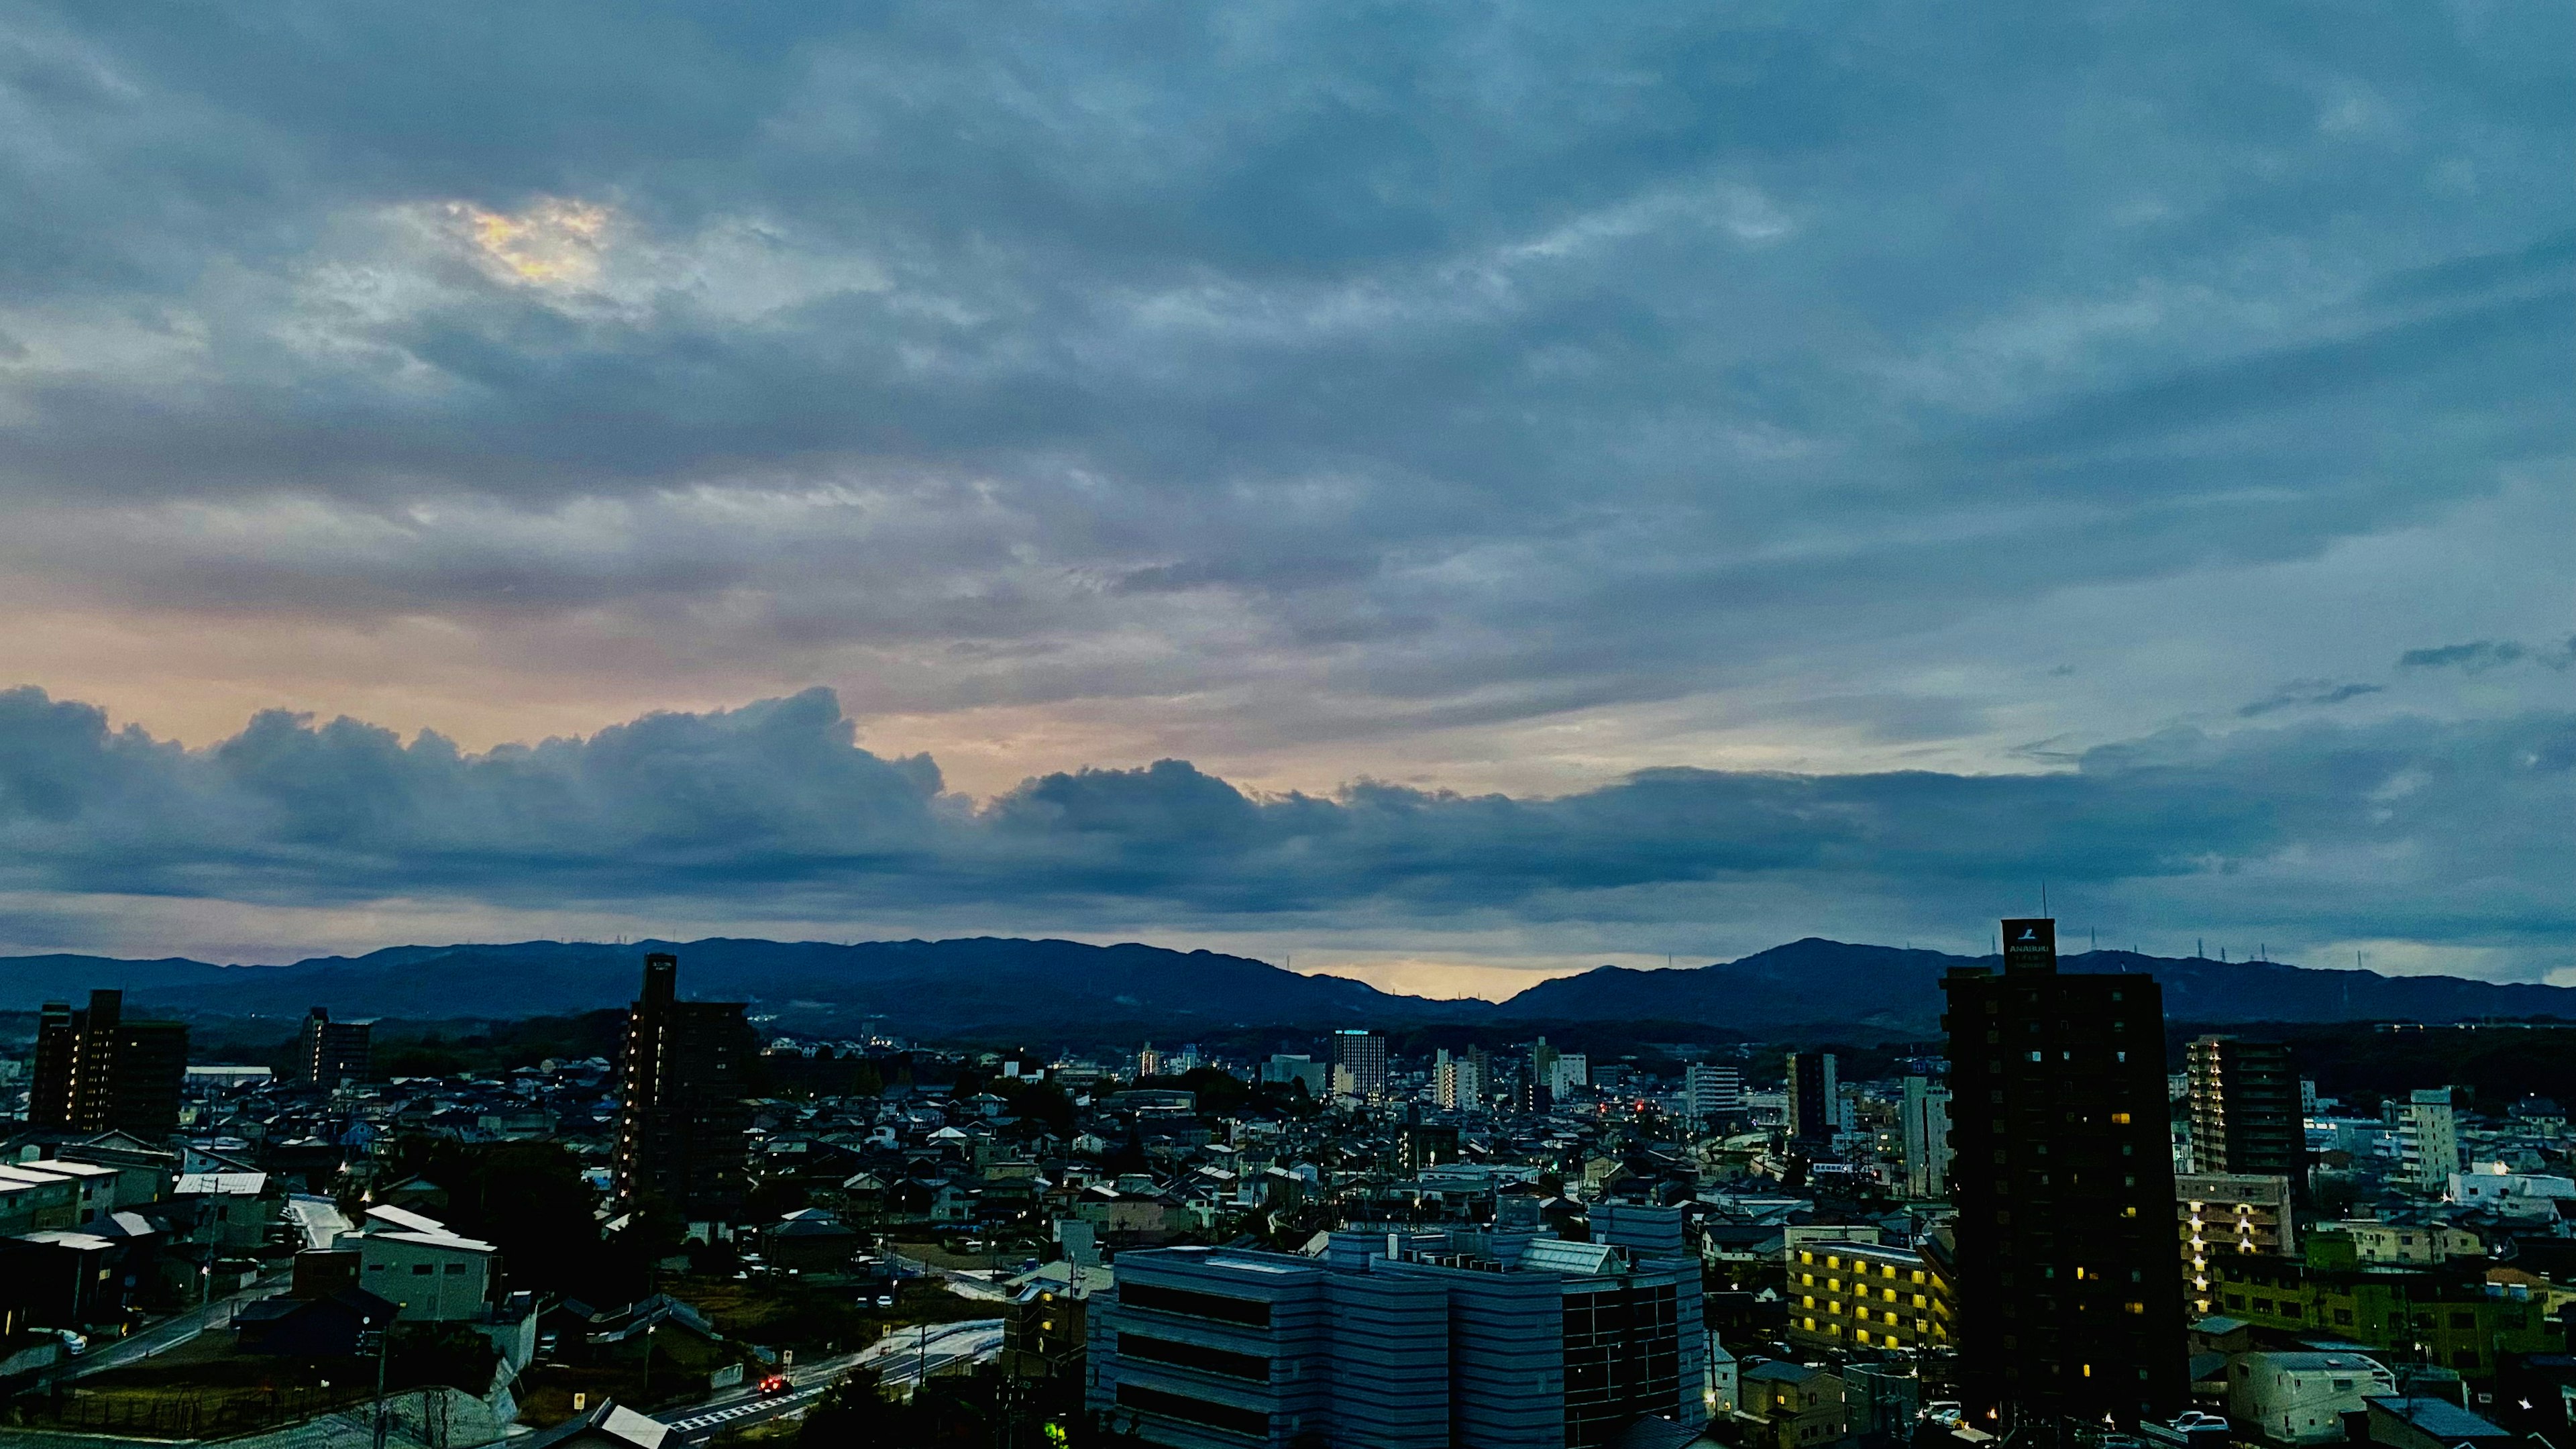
(2450, 835)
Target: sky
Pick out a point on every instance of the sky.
(1445, 494)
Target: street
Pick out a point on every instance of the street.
(902, 1358)
(170, 1332)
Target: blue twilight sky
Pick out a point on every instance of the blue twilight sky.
(1574, 483)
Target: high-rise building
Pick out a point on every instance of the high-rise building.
(2226, 1213)
(2244, 1108)
(1363, 1055)
(2428, 1138)
(1926, 1110)
(1458, 1082)
(682, 1119)
(2069, 1305)
(1542, 1062)
(1405, 1341)
(97, 1072)
(1711, 1091)
(1815, 1098)
(331, 1052)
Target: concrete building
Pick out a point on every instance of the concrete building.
(2243, 1105)
(1847, 1296)
(1363, 1055)
(1790, 1406)
(1282, 1070)
(2069, 1304)
(328, 1052)
(2491, 1185)
(682, 1118)
(1458, 1083)
(1391, 1339)
(2220, 1213)
(1712, 1092)
(1925, 1122)
(1569, 1071)
(2428, 1139)
(2301, 1398)
(1815, 1098)
(95, 1071)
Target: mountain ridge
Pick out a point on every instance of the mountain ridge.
(989, 983)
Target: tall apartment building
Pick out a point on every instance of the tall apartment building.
(2428, 1139)
(682, 1118)
(2222, 1214)
(1711, 1091)
(1402, 1341)
(2069, 1305)
(1925, 1107)
(1815, 1097)
(2244, 1108)
(1458, 1082)
(329, 1052)
(95, 1071)
(1363, 1055)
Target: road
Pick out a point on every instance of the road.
(901, 1358)
(170, 1332)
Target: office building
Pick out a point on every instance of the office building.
(331, 1052)
(1401, 1340)
(2069, 1305)
(1363, 1055)
(2428, 1139)
(95, 1071)
(2229, 1213)
(1925, 1107)
(1457, 1082)
(2244, 1108)
(1712, 1092)
(1815, 1098)
(682, 1119)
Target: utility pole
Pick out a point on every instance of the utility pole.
(384, 1336)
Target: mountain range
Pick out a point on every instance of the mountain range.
(1065, 988)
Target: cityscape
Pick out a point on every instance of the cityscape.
(1475, 724)
(2065, 1218)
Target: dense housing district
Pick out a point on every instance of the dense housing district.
(2055, 1223)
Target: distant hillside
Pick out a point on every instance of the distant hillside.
(1816, 981)
(915, 987)
(1065, 989)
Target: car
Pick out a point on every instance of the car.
(774, 1384)
(1945, 1412)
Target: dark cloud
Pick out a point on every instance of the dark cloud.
(2306, 692)
(2480, 655)
(773, 808)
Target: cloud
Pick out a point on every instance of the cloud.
(1483, 365)
(2451, 835)
(2480, 655)
(2307, 692)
